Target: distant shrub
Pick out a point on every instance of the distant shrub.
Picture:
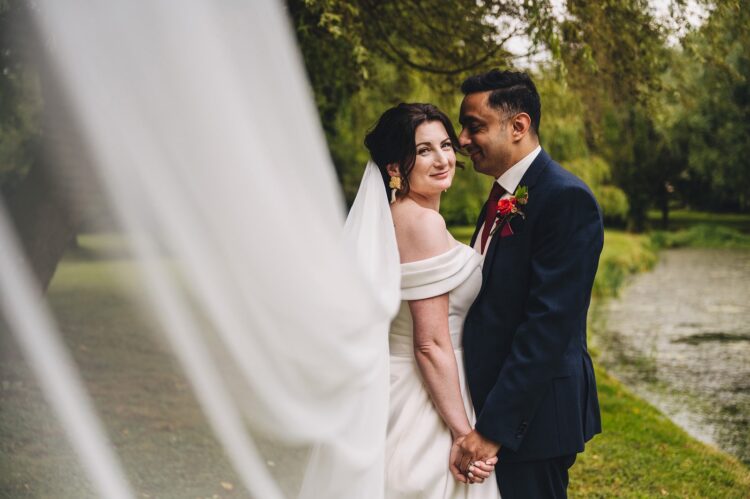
(614, 203)
(596, 173)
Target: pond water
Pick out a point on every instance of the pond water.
(679, 336)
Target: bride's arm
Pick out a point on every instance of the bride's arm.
(422, 234)
(423, 237)
(436, 360)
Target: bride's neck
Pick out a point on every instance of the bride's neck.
(431, 202)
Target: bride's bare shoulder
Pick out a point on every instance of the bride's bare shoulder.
(421, 233)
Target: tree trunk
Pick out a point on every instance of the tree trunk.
(664, 202)
(44, 222)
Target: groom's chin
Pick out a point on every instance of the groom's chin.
(478, 168)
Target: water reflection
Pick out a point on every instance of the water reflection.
(680, 337)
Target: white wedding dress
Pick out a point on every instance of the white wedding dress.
(418, 442)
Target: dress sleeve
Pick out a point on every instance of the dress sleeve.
(439, 274)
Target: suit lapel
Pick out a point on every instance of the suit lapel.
(529, 179)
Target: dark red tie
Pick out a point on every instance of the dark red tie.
(490, 212)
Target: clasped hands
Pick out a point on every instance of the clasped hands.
(473, 457)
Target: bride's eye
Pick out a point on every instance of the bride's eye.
(447, 144)
(422, 151)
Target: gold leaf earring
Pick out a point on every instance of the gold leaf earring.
(395, 185)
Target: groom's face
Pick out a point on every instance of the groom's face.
(486, 135)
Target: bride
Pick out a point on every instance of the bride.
(414, 148)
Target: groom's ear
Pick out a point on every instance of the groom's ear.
(521, 126)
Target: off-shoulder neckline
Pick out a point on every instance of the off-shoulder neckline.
(458, 246)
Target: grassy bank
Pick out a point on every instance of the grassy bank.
(684, 219)
(641, 453)
(702, 236)
(623, 254)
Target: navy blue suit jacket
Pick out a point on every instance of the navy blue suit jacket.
(529, 371)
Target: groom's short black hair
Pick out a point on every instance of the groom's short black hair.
(512, 91)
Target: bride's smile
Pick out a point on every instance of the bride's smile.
(435, 161)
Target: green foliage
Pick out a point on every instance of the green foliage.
(710, 100)
(463, 201)
(614, 52)
(20, 100)
(614, 204)
(596, 173)
(462, 233)
(563, 135)
(563, 126)
(363, 57)
(429, 37)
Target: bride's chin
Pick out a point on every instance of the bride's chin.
(445, 186)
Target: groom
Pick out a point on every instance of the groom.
(529, 372)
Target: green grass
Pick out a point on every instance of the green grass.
(702, 236)
(683, 219)
(623, 254)
(641, 453)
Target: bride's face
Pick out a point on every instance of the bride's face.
(435, 162)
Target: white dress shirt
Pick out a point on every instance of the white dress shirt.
(509, 181)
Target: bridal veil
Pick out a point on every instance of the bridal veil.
(204, 136)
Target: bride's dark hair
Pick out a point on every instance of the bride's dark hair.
(391, 140)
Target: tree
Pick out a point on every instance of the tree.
(614, 52)
(36, 175)
(563, 135)
(712, 105)
(364, 55)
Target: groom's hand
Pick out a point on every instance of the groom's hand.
(469, 449)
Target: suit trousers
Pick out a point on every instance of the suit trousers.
(545, 479)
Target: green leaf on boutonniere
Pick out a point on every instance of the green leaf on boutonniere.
(522, 194)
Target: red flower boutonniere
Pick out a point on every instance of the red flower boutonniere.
(507, 208)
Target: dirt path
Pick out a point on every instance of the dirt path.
(153, 420)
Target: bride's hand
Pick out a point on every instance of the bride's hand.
(479, 471)
(457, 474)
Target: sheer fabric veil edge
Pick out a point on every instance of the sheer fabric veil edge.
(179, 167)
